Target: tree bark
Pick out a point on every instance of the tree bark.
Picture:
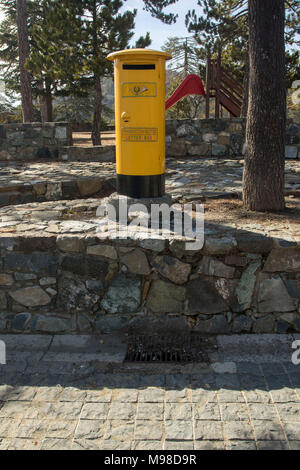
(266, 120)
(24, 51)
(48, 102)
(244, 109)
(96, 130)
(43, 109)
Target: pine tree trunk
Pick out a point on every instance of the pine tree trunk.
(24, 51)
(43, 109)
(244, 109)
(48, 103)
(96, 132)
(265, 153)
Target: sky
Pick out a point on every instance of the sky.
(159, 31)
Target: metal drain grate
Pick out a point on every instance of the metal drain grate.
(159, 349)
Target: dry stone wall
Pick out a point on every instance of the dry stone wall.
(33, 141)
(78, 284)
(221, 138)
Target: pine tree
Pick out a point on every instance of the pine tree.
(55, 59)
(223, 26)
(106, 30)
(24, 51)
(264, 160)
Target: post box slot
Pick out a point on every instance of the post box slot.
(138, 66)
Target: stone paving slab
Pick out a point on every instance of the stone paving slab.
(189, 175)
(96, 406)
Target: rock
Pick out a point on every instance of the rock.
(89, 187)
(217, 325)
(273, 297)
(137, 263)
(282, 327)
(60, 133)
(176, 149)
(51, 291)
(3, 300)
(201, 150)
(48, 281)
(218, 150)
(70, 244)
(20, 321)
(209, 138)
(106, 324)
(220, 246)
(31, 297)
(236, 144)
(283, 260)
(172, 269)
(94, 285)
(50, 324)
(213, 267)
(204, 298)
(106, 251)
(246, 285)
(186, 130)
(166, 298)
(178, 247)
(25, 277)
(226, 288)
(264, 325)
(74, 226)
(242, 324)
(73, 295)
(236, 260)
(153, 244)
(254, 243)
(6, 280)
(85, 266)
(123, 295)
(291, 152)
(288, 318)
(35, 262)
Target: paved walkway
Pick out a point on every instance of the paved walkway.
(69, 392)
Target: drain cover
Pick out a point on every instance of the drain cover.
(156, 348)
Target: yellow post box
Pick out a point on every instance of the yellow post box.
(140, 121)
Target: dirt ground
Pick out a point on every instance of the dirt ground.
(232, 211)
(83, 139)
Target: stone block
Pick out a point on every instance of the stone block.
(166, 298)
(204, 298)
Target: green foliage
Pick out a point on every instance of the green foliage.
(222, 25)
(143, 42)
(79, 109)
(186, 59)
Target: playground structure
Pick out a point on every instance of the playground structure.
(220, 85)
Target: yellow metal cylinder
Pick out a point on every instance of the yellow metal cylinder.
(140, 121)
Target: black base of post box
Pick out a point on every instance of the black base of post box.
(141, 187)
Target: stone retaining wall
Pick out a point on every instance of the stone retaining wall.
(59, 284)
(90, 154)
(218, 138)
(34, 141)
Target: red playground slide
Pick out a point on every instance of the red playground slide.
(191, 85)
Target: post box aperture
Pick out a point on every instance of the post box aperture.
(140, 122)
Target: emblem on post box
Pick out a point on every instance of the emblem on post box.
(139, 90)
